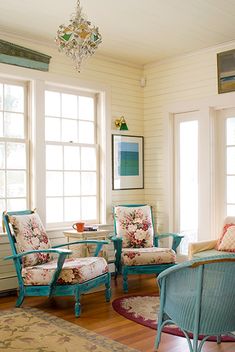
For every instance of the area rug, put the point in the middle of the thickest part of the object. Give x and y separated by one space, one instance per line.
144 310
35 331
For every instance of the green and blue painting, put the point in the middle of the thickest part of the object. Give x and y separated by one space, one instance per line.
128 163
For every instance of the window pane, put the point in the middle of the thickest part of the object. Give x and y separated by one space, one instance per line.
54 211
54 183
16 204
72 208
69 106
52 103
86 132
52 129
14 125
13 98
69 130
231 131
1 124
2 184
230 189
89 211
2 155
72 183
71 158
54 157
86 108
16 156
88 183
16 183
88 158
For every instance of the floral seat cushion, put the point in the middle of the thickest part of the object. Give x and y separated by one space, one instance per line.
30 234
134 225
148 256
75 270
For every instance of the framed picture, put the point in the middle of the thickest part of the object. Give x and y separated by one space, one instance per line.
127 162
226 71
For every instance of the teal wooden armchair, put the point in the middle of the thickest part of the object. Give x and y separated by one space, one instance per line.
136 244
198 296
39 274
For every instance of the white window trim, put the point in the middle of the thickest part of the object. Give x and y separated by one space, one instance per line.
37 82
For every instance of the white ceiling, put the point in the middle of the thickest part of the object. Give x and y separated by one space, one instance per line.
139 31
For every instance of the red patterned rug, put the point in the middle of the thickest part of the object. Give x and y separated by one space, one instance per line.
143 310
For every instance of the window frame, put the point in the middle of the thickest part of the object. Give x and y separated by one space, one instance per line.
77 92
25 140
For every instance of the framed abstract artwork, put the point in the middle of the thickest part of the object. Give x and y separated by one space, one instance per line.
226 71
127 162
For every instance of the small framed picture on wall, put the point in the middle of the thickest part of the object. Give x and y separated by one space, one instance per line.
127 162
226 71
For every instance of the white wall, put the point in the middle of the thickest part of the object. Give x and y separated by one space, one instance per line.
175 82
120 79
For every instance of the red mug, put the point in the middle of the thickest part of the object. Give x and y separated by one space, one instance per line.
78 226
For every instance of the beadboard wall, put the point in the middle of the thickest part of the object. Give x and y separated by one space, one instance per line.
181 79
123 81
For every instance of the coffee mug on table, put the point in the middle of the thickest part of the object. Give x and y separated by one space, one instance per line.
79 226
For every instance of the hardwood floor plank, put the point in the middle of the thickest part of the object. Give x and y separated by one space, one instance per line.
99 316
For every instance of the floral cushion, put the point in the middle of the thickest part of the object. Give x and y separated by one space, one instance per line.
227 241
148 256
30 234
134 226
227 225
75 270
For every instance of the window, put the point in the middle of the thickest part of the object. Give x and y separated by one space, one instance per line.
72 191
13 146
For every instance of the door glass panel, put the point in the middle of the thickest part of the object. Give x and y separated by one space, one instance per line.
188 178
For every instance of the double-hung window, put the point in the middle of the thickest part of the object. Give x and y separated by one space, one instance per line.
14 180
72 156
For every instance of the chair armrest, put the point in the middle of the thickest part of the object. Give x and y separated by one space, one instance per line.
175 236
99 244
50 250
197 247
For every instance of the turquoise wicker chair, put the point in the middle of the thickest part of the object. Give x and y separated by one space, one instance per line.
199 297
136 244
39 274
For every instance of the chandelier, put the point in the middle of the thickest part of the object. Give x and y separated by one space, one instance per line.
79 39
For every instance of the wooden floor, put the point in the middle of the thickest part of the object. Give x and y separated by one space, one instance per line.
98 316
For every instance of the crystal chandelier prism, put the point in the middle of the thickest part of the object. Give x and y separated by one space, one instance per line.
79 39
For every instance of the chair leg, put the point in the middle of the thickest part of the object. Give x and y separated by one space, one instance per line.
125 280
218 339
107 288
77 304
20 298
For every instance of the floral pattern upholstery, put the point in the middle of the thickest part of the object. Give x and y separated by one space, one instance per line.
30 234
148 256
75 270
134 225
